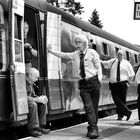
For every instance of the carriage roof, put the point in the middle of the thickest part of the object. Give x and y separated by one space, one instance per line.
43 6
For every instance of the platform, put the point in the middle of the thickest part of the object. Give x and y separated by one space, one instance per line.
110 129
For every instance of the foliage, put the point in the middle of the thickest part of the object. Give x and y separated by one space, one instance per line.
70 6
94 19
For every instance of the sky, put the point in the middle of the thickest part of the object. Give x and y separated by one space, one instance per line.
116 16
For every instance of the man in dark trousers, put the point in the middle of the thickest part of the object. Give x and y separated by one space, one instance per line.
121 72
37 106
137 79
90 75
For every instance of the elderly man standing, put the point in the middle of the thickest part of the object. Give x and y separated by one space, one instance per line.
90 75
121 72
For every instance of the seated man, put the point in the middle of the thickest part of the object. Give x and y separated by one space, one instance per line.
37 106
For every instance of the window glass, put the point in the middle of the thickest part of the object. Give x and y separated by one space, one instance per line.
136 59
1 47
1 14
18 41
2 41
73 34
105 49
127 55
116 49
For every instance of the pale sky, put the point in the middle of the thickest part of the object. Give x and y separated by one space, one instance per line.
116 16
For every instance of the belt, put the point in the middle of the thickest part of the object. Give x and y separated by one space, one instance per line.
91 78
120 82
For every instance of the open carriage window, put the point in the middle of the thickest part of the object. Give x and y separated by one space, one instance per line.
17 38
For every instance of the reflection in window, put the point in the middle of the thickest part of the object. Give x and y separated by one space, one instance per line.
92 45
2 41
105 50
17 27
73 34
136 59
18 54
1 14
127 55
18 41
116 49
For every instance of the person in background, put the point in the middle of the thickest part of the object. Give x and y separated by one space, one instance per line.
137 79
37 106
90 75
29 52
121 72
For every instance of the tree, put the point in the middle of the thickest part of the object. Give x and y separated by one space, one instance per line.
94 19
54 2
70 6
73 7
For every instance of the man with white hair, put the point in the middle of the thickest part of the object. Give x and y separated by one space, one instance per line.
121 72
90 75
37 106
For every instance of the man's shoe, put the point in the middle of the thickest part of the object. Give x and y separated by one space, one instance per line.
128 116
119 119
34 133
43 130
92 134
137 123
88 134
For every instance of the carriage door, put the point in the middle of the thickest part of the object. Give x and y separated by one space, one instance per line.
17 66
53 37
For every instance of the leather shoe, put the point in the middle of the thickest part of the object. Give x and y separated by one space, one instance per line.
43 130
137 123
119 119
128 116
93 134
34 133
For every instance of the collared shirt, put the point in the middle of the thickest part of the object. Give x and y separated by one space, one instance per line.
126 69
91 61
137 76
30 92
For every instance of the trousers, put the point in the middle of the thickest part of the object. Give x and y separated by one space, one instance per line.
90 94
119 94
138 101
37 115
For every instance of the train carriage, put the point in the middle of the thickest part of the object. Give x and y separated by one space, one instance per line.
58 77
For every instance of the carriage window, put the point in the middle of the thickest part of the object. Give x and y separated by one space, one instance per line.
2 40
92 45
136 58
17 38
127 55
116 49
2 46
105 49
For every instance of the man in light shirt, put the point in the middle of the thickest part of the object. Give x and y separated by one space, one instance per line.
37 106
90 75
137 79
119 86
